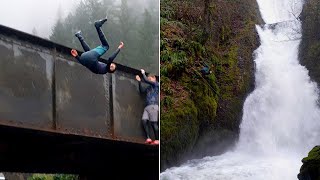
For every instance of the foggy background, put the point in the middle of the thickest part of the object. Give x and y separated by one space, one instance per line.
135 22
25 15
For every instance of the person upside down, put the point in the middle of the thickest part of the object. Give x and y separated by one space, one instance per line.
90 57
151 110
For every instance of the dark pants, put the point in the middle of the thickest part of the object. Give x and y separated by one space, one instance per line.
154 126
100 49
91 56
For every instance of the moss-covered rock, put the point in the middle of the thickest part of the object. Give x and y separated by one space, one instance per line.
309 55
180 133
310 169
310 44
199 114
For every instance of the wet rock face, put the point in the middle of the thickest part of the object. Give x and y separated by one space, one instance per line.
200 116
310 169
309 56
310 45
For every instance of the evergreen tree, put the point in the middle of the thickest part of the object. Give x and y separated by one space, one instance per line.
125 27
59 31
146 40
138 30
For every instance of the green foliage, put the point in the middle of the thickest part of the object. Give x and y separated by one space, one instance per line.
53 177
174 63
314 50
179 130
163 21
311 165
164 70
179 62
165 86
167 11
313 155
138 28
165 55
228 74
168 101
183 115
220 34
149 32
310 45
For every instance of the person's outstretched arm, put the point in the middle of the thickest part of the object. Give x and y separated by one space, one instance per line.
114 55
146 79
141 89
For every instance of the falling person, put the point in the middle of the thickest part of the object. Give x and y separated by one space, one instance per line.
90 57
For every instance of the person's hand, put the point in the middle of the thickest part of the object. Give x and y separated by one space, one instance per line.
121 45
138 78
142 71
74 53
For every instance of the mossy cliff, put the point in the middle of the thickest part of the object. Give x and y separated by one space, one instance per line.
310 169
201 115
310 44
309 56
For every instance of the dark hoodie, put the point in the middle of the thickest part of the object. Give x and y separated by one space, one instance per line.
90 59
152 91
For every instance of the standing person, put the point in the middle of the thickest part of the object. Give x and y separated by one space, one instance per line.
91 56
151 110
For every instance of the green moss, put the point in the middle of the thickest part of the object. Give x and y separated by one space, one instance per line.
52 177
168 102
165 85
195 48
311 165
314 50
313 156
310 46
166 9
179 131
228 74
163 21
224 41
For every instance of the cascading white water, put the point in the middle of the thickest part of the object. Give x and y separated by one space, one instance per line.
281 120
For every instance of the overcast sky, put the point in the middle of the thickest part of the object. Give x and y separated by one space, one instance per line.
24 15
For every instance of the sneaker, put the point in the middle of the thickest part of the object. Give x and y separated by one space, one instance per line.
100 22
148 141
155 142
78 34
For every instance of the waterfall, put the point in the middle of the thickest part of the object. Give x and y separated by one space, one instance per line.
281 119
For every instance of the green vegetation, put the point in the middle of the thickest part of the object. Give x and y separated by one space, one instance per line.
128 21
220 34
309 55
313 156
310 45
52 177
311 165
